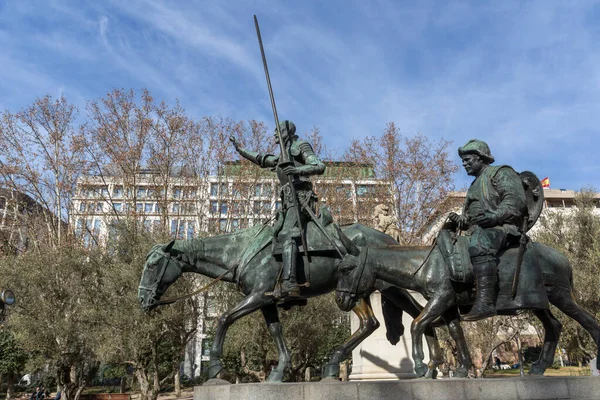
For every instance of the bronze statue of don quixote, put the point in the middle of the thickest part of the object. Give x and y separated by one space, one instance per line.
482 263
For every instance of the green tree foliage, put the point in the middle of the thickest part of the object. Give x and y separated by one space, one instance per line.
56 316
576 233
12 360
152 344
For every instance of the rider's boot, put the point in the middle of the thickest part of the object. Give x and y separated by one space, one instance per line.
289 286
487 279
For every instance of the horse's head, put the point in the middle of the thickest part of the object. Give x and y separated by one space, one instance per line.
160 271
353 282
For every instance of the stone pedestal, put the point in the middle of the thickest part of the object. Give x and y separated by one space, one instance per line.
375 358
549 388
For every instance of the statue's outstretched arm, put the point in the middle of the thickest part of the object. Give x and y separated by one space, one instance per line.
263 160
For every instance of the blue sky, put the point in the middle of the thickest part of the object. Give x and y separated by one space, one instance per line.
522 75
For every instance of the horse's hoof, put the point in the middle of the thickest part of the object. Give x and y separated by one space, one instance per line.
536 369
421 370
275 377
214 368
431 374
216 381
461 372
330 371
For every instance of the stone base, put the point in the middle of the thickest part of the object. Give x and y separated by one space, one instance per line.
527 388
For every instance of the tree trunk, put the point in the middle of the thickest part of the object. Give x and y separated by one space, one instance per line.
344 375
145 388
307 374
10 387
520 353
177 383
122 385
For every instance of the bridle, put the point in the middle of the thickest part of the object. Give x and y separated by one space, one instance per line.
164 265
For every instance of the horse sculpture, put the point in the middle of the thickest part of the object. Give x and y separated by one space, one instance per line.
245 258
424 270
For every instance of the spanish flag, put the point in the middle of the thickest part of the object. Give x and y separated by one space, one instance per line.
546 183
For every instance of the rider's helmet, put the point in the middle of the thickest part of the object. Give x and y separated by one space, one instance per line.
479 147
287 126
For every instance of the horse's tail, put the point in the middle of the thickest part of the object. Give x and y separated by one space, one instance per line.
392 316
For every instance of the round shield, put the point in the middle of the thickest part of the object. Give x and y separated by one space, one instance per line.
534 194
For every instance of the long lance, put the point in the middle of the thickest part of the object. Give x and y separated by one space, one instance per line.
286 159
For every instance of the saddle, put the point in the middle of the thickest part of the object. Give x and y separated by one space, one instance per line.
531 293
317 241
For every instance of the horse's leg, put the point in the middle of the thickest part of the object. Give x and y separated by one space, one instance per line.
404 301
250 304
565 301
465 363
368 325
432 310
272 319
552 328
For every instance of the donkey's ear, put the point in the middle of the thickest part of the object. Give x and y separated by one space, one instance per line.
167 248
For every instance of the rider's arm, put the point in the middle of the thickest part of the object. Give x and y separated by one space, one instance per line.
263 160
512 195
312 164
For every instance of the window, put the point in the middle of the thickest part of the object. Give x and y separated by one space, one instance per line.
157 208
117 207
79 226
267 190
278 205
223 224
214 189
362 190
223 208
147 225
139 207
99 207
236 207
175 207
235 224
191 229
156 225
214 206
258 190
191 208
223 189
148 207
141 193
82 206
118 192
104 192
174 224
97 226
151 193
177 193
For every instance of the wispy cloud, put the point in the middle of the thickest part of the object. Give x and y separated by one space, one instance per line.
521 75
